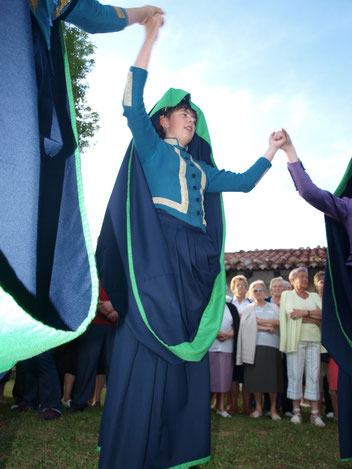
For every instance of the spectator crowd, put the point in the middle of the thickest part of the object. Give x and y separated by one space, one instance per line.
269 347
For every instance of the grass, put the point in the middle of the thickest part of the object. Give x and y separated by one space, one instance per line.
239 442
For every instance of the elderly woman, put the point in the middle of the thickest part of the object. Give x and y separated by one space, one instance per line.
300 336
258 349
221 357
239 288
276 287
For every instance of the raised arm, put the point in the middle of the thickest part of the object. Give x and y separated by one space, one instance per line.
144 135
324 201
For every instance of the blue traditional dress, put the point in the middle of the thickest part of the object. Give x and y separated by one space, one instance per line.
48 280
160 259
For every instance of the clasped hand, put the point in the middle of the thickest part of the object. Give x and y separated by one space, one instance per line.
277 139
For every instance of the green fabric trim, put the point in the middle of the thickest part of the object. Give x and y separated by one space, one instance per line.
346 177
345 459
212 316
191 463
21 335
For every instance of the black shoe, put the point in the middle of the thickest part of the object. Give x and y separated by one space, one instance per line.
49 414
73 408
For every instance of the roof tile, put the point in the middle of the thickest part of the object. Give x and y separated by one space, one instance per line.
275 259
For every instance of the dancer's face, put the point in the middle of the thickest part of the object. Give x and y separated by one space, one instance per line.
181 124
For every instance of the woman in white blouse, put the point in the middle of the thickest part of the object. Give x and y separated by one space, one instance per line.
258 350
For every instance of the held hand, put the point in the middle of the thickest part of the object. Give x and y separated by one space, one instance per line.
289 149
141 15
288 144
147 12
152 26
277 140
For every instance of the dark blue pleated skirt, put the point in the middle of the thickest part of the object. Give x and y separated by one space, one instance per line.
156 414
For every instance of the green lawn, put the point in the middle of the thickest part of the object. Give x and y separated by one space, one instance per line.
239 442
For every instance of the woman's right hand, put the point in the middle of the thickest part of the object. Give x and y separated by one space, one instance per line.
289 149
152 26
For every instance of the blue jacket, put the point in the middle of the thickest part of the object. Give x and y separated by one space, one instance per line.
177 181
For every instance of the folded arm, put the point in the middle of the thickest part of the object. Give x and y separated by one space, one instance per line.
268 322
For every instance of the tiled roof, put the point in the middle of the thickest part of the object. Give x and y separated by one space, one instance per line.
275 259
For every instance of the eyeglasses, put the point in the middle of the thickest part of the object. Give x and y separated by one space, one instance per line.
256 291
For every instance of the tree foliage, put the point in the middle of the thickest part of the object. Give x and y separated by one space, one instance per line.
79 52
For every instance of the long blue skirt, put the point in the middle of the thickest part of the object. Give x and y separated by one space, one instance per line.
156 413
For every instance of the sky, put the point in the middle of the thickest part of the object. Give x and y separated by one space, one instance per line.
252 66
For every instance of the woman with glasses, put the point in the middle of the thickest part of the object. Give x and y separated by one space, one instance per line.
258 349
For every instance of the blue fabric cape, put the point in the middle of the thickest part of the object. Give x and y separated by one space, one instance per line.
48 281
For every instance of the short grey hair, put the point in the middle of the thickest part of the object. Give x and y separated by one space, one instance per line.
257 282
277 279
294 273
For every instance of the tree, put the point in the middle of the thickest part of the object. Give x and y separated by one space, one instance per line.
79 52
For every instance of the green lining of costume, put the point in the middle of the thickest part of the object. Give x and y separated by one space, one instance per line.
22 336
211 319
346 177
191 463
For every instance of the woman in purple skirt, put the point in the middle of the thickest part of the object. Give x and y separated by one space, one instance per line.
222 355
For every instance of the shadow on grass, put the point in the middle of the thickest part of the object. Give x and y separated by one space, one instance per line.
9 424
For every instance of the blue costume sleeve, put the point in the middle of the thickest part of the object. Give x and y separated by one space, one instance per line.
227 181
143 131
93 17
